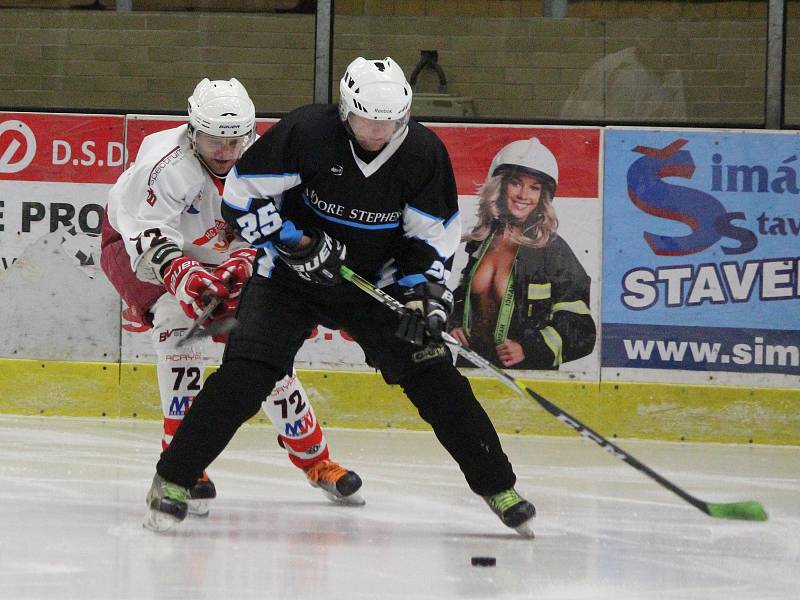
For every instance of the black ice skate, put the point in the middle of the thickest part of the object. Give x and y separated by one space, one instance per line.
514 511
166 504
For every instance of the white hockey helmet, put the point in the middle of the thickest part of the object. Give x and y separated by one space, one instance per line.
375 89
530 156
221 108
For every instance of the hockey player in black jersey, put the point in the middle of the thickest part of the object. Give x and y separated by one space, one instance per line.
360 184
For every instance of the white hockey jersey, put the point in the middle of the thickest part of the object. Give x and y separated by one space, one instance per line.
167 194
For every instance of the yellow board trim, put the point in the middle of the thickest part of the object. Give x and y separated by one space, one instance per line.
47 387
362 400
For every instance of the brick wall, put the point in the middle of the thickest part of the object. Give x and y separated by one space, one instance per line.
581 68
611 65
151 61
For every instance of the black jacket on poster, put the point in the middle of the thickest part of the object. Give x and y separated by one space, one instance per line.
551 294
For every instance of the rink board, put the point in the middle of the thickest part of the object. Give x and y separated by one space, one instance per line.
363 400
64 349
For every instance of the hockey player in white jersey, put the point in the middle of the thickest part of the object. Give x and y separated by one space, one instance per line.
168 252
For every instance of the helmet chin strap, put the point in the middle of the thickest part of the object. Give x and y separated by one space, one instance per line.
209 169
349 130
397 133
363 153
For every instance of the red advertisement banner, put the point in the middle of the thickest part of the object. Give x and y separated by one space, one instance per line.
61 147
472 148
89 149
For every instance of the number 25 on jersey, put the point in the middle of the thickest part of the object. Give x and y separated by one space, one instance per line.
258 225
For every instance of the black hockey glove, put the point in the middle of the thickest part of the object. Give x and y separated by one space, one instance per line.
318 262
428 305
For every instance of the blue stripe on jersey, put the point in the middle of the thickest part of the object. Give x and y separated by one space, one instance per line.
262 175
327 217
246 208
424 214
450 220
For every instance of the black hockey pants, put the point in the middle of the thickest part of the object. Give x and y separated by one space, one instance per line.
275 317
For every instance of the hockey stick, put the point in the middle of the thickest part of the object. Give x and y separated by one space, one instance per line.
197 331
749 510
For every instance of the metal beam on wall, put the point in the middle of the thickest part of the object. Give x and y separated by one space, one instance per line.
776 64
323 52
554 9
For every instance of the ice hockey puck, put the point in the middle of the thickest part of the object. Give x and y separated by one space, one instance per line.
484 561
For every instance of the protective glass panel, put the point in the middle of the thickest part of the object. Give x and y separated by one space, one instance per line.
680 61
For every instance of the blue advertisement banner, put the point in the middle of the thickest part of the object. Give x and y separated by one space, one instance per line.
700 250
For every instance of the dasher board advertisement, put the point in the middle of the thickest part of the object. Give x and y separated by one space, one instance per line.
575 154
55 170
526 277
700 251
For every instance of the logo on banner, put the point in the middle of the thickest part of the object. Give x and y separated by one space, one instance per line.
703 213
710 282
10 161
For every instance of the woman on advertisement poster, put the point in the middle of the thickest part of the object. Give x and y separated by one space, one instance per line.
523 297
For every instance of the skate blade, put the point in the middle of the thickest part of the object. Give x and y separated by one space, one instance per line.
198 508
525 530
353 499
157 521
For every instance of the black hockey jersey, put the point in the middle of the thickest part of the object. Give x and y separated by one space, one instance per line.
397 214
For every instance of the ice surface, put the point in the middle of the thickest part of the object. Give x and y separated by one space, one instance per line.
72 501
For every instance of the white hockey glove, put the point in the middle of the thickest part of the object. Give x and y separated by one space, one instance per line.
428 305
193 286
319 262
154 261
